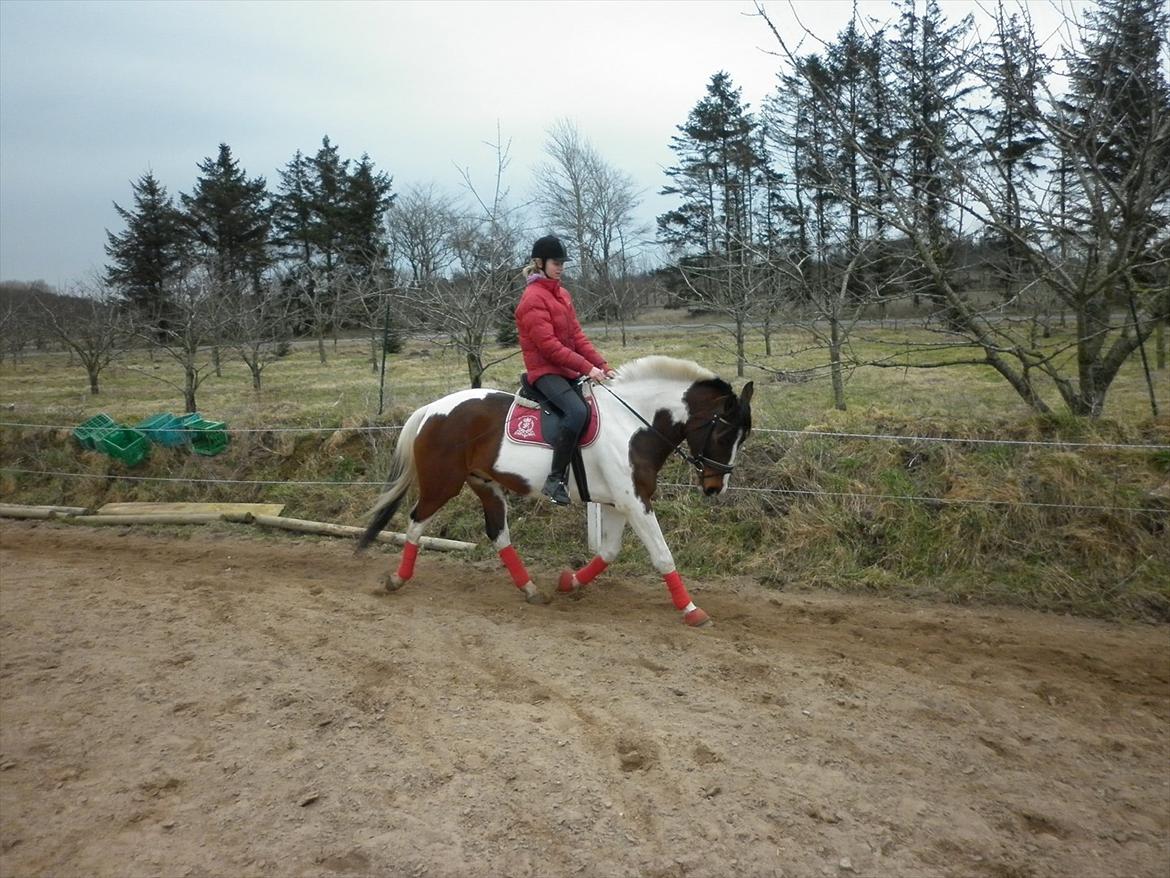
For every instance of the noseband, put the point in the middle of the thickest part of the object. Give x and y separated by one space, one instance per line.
700 460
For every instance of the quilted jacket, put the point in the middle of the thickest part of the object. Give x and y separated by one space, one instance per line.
551 338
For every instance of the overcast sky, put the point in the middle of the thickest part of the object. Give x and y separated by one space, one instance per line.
93 94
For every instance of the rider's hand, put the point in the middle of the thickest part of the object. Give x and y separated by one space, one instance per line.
596 374
610 373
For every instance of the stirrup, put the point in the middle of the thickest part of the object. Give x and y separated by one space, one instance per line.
555 490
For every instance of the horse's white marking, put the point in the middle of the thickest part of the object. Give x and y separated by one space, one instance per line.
448 403
731 461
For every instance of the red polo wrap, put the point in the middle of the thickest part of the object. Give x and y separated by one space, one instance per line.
515 566
678 591
590 571
406 567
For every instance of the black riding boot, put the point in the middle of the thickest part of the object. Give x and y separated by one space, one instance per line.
555 486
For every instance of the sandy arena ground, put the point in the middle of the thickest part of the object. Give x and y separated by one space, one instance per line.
208 703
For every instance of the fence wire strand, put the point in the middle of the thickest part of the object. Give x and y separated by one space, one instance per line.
889 437
953 501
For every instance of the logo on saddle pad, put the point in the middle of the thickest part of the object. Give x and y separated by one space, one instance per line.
524 425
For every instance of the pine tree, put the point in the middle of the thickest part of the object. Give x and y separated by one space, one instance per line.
328 189
364 245
721 180
229 220
292 219
930 66
149 256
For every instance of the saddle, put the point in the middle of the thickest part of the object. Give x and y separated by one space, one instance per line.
532 417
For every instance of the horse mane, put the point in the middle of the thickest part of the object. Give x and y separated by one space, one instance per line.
669 368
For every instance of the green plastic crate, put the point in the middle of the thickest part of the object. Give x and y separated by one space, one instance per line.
208 437
91 432
163 429
125 444
184 424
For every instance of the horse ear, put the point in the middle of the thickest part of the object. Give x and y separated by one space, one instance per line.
745 395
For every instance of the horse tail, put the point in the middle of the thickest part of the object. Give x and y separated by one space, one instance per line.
401 479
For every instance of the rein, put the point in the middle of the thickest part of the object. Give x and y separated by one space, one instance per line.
698 461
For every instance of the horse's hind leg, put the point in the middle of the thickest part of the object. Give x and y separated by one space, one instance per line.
613 524
495 517
434 492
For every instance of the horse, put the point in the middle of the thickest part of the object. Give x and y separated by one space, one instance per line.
649 410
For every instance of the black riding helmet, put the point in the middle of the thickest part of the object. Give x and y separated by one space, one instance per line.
549 247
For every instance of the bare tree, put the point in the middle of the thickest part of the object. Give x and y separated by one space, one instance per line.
591 203
479 295
196 318
422 222
261 330
90 324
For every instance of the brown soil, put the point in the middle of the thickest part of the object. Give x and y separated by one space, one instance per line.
204 703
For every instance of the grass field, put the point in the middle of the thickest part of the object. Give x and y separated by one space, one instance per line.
1098 562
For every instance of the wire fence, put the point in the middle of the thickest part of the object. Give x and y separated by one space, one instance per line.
828 434
889 437
336 483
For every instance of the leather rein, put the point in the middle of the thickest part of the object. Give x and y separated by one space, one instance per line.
700 460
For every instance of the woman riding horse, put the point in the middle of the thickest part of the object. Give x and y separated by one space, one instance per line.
556 352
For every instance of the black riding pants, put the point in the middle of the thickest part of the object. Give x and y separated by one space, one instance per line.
574 416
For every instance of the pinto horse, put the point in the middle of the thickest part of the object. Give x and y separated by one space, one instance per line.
651 409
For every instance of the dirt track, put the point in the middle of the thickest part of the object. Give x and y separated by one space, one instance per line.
226 705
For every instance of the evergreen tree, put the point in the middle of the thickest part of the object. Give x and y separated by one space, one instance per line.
149 256
364 238
328 190
229 218
722 181
930 65
292 212
1013 144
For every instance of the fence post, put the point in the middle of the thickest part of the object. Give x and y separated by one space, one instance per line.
593 527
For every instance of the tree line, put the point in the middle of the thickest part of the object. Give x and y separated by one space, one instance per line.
1016 196
889 157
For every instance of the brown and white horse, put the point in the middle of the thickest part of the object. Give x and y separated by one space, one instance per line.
654 407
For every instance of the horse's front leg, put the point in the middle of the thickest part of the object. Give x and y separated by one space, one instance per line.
645 525
613 524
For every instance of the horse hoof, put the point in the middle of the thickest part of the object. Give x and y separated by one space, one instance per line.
697 618
566 585
392 582
534 595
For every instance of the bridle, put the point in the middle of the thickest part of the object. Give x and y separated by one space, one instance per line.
698 461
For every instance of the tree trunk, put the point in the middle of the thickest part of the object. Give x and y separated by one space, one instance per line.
93 380
475 370
835 363
768 335
740 356
189 390
215 359
256 371
321 344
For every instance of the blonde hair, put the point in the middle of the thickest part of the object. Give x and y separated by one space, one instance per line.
531 267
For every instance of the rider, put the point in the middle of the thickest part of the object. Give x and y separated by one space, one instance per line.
556 352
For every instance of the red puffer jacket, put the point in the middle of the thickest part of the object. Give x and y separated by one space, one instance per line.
551 338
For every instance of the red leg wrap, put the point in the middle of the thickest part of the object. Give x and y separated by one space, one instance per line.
515 566
678 591
406 566
591 570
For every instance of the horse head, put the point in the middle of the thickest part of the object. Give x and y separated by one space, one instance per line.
717 425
